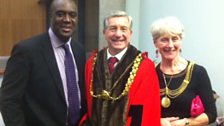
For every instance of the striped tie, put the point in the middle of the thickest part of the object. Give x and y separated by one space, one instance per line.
112 61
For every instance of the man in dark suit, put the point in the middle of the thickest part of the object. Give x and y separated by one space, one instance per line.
34 88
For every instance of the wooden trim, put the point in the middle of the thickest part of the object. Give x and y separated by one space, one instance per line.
2 71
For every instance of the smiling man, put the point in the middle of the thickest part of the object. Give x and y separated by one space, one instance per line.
36 85
121 83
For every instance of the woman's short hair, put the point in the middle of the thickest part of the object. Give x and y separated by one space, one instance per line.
168 25
117 13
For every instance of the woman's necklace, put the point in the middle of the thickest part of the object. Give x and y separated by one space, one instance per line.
165 100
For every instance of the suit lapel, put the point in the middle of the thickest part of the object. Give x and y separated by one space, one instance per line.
79 58
49 56
75 51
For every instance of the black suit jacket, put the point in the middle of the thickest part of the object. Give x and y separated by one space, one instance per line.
32 91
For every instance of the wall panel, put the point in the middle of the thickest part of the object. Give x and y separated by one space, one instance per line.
19 19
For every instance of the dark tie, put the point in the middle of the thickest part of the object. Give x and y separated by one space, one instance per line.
112 61
73 98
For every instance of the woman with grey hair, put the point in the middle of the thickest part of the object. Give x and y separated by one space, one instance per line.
181 80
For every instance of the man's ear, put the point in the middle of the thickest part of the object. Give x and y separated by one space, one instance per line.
104 30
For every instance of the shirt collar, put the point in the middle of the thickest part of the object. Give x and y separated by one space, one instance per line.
56 42
119 55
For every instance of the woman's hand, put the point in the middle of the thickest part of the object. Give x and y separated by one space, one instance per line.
167 121
180 122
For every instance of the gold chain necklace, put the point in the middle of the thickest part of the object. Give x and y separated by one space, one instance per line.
176 92
106 94
165 100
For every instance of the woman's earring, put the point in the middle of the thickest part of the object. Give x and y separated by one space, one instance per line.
157 56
